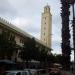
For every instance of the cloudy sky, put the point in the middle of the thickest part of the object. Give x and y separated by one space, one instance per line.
26 14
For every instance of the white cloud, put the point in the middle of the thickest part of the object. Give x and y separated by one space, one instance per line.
6 9
26 7
22 22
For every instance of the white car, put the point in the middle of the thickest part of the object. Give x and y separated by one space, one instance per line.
32 71
17 72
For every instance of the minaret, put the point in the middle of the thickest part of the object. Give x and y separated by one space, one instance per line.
46 26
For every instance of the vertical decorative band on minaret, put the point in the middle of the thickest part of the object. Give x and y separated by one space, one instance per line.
46 26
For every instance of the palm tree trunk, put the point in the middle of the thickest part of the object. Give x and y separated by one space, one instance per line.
66 50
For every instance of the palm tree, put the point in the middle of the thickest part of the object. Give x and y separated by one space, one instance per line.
66 50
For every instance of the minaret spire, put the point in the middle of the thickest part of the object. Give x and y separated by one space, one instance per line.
46 26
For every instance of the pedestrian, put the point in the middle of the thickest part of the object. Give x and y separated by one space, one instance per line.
72 68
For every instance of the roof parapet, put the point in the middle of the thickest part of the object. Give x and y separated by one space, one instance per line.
5 21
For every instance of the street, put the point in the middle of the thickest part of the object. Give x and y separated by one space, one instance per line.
63 73
66 73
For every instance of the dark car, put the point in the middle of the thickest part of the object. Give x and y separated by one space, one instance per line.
54 71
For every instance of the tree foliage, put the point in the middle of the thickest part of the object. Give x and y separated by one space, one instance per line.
7 44
29 50
43 54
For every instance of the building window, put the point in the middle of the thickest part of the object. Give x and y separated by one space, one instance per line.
11 36
44 33
21 41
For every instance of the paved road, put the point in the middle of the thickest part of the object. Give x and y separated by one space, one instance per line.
62 73
66 73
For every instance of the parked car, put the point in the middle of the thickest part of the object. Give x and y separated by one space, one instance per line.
41 72
32 71
54 71
17 72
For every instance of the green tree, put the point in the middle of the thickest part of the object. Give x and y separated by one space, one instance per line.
51 58
25 53
43 54
3 44
11 46
29 49
58 58
7 44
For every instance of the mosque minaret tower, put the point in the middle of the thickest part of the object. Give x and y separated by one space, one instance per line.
46 26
